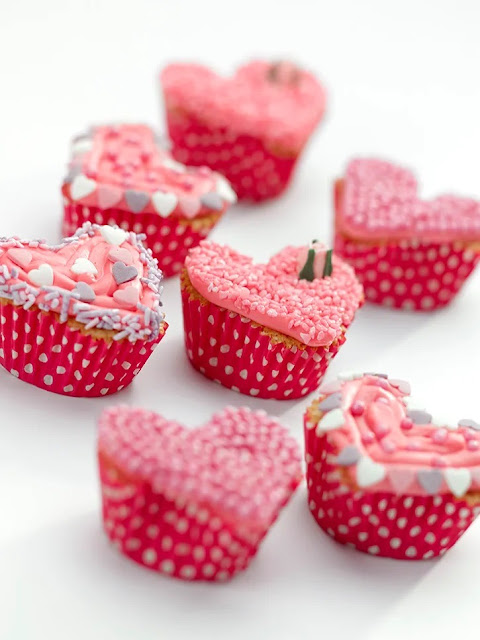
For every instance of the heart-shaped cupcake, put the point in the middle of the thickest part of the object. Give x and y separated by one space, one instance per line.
384 474
194 504
251 127
408 252
121 175
67 325
267 330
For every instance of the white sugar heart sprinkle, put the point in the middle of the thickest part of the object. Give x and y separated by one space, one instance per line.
84 265
43 276
458 480
369 472
113 235
82 187
164 203
331 420
225 190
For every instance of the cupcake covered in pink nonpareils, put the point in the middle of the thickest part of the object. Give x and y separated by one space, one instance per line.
384 475
267 330
80 318
251 127
121 175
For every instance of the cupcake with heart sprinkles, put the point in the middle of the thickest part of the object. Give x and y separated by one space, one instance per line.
409 253
266 330
121 175
385 476
193 503
251 127
80 318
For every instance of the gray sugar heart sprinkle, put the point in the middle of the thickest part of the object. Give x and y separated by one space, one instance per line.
122 273
136 200
73 172
349 455
419 417
163 142
402 385
466 422
374 373
333 401
430 479
212 201
85 291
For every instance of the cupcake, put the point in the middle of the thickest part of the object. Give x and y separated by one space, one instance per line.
80 318
384 476
120 175
193 504
251 127
408 253
266 330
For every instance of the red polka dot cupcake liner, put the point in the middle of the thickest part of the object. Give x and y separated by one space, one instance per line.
60 358
186 510
255 171
385 479
410 275
169 238
246 357
383 524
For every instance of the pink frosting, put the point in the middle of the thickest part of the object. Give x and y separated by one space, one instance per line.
277 103
377 199
272 294
117 275
122 166
374 418
241 463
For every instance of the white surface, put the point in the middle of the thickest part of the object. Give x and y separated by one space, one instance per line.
403 82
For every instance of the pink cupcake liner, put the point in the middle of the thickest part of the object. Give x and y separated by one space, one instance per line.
233 351
55 357
408 527
411 274
168 239
168 535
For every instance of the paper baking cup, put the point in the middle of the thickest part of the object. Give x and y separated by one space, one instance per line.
410 274
255 171
169 238
172 536
38 349
404 527
244 356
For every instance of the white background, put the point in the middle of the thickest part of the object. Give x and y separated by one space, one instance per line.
403 81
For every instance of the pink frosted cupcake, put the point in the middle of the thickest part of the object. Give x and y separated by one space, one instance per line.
193 504
384 476
251 127
80 318
120 175
407 252
266 330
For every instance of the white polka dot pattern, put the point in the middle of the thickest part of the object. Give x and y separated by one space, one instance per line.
410 274
38 349
193 504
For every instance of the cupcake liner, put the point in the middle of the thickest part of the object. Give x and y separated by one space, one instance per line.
256 171
241 355
175 537
38 349
169 238
410 274
406 527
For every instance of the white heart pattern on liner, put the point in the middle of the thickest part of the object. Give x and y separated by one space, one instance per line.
164 203
81 187
43 276
458 480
